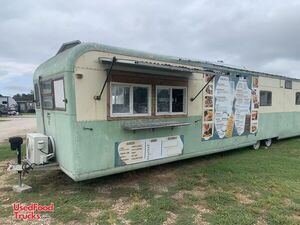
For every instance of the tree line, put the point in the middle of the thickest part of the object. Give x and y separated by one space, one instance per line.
23 96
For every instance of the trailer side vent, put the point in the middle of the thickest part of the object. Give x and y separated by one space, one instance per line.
68 45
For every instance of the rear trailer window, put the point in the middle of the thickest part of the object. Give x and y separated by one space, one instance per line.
47 94
37 96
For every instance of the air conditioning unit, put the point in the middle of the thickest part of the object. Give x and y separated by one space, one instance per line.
39 148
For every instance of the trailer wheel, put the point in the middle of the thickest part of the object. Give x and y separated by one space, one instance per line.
268 142
256 145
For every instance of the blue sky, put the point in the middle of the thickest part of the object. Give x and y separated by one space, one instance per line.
255 34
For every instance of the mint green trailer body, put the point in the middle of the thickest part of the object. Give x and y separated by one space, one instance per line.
87 137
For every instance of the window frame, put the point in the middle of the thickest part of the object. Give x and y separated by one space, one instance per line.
288 82
131 113
49 94
260 102
37 95
54 102
297 92
171 98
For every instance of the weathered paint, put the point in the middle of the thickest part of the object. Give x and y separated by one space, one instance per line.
92 152
84 153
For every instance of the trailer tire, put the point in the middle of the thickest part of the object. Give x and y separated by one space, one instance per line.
268 142
256 146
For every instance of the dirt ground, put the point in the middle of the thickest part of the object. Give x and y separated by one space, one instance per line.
16 125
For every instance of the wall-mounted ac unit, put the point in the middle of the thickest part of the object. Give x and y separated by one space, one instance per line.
39 148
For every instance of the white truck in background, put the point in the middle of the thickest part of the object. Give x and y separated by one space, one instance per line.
8 106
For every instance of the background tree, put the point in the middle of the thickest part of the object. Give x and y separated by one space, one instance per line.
24 97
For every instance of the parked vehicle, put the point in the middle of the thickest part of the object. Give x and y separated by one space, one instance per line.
110 110
8 105
12 113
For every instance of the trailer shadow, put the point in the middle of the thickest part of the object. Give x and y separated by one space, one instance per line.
149 172
57 179
139 175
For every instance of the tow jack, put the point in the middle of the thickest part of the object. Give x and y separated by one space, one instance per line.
23 167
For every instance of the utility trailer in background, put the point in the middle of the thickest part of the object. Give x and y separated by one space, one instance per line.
110 110
8 105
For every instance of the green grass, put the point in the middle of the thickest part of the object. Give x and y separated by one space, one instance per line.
228 211
236 187
7 153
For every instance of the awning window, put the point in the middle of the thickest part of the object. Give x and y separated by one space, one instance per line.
144 66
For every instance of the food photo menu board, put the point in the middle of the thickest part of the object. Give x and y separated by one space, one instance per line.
230 106
255 105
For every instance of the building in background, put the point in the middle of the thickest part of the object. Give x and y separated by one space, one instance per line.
26 107
25 102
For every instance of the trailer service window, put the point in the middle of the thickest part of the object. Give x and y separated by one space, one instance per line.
170 100
130 99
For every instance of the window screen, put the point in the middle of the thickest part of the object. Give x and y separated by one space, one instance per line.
265 98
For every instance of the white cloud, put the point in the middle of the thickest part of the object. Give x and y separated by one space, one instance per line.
261 35
284 67
11 70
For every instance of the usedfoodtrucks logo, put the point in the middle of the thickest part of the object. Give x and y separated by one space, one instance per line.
32 211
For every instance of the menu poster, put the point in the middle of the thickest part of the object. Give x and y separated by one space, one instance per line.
224 97
230 106
242 104
137 151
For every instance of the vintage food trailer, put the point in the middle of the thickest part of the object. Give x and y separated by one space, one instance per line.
110 110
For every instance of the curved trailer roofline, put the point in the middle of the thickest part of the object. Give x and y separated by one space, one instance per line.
65 61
